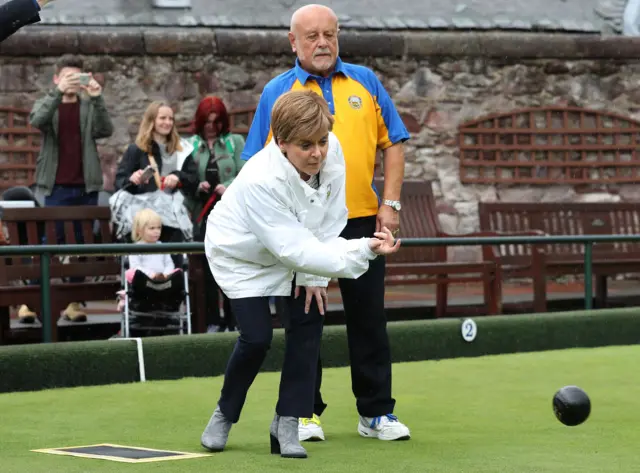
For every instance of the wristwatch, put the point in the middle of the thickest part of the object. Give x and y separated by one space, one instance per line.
394 204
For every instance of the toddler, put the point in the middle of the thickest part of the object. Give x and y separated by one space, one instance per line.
147 226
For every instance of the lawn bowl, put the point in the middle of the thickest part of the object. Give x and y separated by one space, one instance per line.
571 405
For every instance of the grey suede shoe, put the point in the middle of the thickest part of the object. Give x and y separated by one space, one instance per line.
215 435
284 438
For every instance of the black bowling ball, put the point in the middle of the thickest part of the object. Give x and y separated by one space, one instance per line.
571 405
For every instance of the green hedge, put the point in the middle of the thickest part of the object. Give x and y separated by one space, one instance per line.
42 366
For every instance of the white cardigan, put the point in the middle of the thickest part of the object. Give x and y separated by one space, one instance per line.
270 224
151 263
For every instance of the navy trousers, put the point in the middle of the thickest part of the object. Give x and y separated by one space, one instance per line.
303 333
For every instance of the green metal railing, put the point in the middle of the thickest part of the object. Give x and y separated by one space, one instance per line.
46 252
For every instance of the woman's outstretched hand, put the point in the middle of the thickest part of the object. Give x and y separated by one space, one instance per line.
384 243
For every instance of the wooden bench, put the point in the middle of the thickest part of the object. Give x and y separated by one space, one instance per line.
33 224
572 219
430 265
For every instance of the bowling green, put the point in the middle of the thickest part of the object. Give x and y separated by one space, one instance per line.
475 415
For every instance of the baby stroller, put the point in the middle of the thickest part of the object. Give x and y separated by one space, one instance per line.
152 307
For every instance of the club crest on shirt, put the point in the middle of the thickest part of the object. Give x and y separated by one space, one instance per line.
355 102
328 191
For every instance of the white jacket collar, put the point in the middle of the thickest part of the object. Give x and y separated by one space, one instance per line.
287 172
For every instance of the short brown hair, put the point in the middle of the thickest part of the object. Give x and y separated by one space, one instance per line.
299 115
69 60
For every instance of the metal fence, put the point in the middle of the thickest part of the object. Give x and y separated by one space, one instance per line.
46 252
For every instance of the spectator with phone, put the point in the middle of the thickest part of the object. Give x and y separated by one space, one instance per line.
71 116
170 157
159 146
218 155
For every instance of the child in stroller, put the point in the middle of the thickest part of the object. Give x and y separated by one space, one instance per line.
154 290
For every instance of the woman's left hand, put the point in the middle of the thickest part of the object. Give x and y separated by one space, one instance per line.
314 292
219 189
384 243
171 181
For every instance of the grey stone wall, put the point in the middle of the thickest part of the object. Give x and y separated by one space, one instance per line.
437 81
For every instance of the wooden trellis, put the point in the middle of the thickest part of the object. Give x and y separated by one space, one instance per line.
19 148
550 145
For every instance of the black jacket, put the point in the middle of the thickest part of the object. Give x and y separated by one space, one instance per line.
134 159
15 14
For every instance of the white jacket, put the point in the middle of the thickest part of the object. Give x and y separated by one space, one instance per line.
151 263
270 224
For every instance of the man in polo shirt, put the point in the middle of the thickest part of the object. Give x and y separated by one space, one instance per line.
366 120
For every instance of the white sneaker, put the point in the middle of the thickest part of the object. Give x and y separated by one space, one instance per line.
386 427
310 429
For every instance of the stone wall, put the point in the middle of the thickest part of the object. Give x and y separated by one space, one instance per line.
440 94
437 81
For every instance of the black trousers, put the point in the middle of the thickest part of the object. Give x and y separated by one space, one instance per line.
303 333
369 352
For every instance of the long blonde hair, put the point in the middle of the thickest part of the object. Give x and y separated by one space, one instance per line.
144 140
141 220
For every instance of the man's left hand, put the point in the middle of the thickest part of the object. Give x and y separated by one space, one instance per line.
387 217
94 89
314 292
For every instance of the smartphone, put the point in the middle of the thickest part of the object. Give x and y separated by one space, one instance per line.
147 174
84 78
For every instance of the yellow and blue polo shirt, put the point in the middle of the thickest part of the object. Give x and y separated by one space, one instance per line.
365 120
